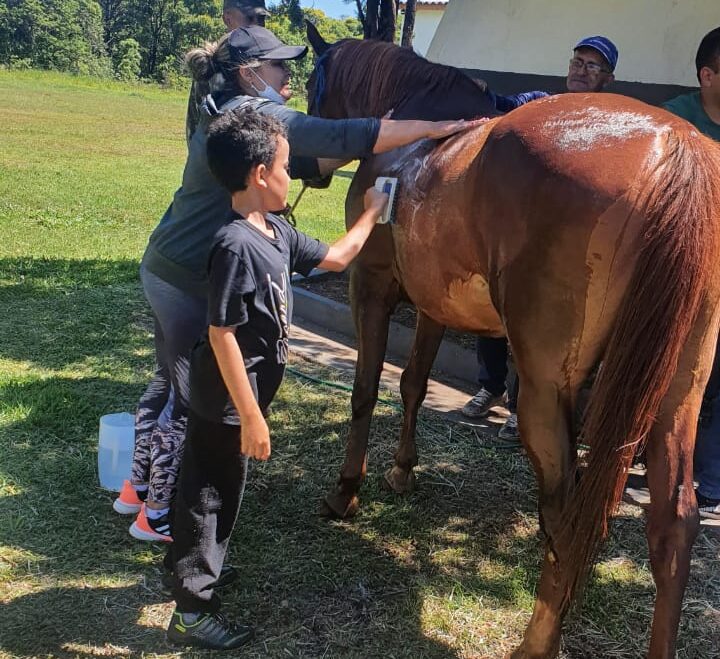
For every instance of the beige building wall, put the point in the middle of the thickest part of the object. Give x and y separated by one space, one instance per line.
657 39
426 23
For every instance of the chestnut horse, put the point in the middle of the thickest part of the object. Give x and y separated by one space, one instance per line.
584 227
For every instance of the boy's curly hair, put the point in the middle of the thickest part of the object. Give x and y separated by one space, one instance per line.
238 141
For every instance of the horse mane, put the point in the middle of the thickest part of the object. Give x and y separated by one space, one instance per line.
382 74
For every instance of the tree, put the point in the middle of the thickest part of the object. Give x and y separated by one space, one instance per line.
54 34
128 60
293 11
378 18
408 29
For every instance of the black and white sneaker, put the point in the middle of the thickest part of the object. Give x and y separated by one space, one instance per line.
211 631
152 530
709 508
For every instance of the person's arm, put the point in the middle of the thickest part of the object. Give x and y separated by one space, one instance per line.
513 101
254 433
351 139
344 250
394 134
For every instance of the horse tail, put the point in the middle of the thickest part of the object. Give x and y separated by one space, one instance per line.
679 197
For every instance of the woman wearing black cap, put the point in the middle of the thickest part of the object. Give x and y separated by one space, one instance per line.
236 13
246 68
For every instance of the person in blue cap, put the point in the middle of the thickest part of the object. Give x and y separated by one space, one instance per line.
591 70
592 67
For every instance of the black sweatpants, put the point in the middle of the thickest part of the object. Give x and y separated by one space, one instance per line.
209 494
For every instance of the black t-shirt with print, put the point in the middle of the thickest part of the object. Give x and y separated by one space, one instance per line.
250 290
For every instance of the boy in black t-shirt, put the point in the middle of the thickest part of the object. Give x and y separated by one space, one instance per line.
238 365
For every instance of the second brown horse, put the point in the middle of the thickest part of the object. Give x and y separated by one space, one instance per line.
585 228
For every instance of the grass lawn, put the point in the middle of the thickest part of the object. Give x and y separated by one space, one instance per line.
86 170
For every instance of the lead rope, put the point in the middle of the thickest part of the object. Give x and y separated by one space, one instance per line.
290 215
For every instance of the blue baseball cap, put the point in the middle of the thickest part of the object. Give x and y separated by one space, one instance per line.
604 46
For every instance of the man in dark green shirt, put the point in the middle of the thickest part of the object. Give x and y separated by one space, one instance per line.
702 108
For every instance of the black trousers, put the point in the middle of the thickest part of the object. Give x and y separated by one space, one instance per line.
499 370
209 494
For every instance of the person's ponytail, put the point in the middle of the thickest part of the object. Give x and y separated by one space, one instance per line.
200 62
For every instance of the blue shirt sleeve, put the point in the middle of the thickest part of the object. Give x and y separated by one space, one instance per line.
507 103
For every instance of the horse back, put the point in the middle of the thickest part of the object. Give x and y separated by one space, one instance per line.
548 189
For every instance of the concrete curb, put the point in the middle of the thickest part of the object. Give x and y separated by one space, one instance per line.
459 363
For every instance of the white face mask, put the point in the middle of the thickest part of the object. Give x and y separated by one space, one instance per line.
268 92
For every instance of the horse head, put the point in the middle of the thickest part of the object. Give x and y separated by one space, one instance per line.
365 78
315 85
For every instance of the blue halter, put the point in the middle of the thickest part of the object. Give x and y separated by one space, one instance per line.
320 79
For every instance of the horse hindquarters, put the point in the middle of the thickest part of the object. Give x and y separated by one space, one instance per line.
660 335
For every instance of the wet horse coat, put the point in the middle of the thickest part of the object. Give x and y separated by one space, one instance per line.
585 228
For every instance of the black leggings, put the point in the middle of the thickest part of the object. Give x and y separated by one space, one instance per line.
209 494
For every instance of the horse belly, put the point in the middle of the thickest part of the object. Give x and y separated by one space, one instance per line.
455 299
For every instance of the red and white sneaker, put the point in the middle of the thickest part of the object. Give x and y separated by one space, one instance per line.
152 530
128 503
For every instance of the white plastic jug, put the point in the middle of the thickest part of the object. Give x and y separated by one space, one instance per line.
115 449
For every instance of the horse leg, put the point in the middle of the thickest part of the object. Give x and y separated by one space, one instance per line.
374 296
400 478
545 415
673 521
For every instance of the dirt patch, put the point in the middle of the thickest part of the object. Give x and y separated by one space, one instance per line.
334 286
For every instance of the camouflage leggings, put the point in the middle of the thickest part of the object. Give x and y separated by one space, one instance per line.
161 415
158 440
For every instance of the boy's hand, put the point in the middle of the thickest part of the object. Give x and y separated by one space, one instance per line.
375 201
255 439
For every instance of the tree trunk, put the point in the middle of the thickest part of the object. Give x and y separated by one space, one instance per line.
408 24
379 20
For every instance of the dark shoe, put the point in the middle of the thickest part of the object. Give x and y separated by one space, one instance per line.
479 405
228 575
212 631
510 431
709 508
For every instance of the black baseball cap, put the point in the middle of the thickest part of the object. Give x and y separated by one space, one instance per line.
255 42
250 7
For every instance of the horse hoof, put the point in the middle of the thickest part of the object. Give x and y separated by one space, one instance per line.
338 506
399 481
523 653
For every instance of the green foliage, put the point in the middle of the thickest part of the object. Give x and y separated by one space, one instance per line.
287 29
54 34
128 60
135 39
